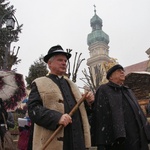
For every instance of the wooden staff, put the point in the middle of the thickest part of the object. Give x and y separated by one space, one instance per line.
61 126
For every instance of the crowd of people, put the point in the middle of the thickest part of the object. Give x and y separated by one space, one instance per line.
117 121
52 98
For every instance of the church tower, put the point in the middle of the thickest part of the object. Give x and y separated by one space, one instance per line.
98 48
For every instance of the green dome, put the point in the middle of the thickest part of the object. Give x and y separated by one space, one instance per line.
97 35
96 20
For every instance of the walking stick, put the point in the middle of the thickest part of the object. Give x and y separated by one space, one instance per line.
61 126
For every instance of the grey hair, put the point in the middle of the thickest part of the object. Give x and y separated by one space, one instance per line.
51 58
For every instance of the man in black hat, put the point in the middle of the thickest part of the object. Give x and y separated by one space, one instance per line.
51 99
118 122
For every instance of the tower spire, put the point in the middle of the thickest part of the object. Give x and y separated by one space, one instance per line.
94 8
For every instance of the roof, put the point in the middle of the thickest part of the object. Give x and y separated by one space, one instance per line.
139 82
138 79
142 66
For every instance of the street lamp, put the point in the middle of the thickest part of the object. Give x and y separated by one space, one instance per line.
10 25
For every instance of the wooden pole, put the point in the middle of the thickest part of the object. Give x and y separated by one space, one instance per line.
61 126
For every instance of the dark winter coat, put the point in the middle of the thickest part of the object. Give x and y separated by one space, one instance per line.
118 117
4 112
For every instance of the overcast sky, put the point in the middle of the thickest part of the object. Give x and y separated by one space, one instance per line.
67 22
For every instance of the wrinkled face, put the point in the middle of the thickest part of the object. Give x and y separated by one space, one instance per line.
118 76
58 64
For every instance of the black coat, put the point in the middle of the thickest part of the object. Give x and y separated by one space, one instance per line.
73 133
4 112
118 117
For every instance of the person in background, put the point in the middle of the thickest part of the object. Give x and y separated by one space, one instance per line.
51 99
118 122
2 123
26 131
10 120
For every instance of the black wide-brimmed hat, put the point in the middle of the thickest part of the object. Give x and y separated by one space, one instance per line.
56 50
113 69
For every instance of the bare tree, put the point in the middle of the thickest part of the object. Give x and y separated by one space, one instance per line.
76 65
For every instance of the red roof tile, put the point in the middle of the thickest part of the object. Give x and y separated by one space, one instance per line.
142 66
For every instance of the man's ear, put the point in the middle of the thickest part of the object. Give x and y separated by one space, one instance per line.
49 62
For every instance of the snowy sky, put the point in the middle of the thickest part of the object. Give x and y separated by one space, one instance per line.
67 22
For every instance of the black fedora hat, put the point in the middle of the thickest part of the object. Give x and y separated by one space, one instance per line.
113 69
56 50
